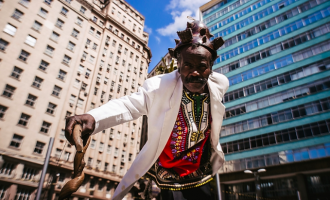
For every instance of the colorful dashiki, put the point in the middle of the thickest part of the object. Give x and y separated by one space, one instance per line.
184 162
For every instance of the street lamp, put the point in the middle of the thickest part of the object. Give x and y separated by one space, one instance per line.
256 181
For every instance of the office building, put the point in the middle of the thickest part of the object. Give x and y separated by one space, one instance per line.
276 57
60 58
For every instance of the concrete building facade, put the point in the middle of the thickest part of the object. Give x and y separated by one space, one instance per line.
276 57
60 58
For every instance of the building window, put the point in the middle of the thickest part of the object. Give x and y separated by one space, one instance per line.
37 82
54 36
29 173
16 73
25 2
94 19
94 46
61 75
10 29
62 177
114 43
39 148
75 33
91 59
3 110
45 127
64 11
49 50
89 163
91 30
109 149
37 26
17 14
101 146
92 145
111 55
82 10
131 55
31 100
56 91
8 91
24 55
114 168
71 46
51 108
118 89
116 152
24 119
80 103
98 34
59 23
16 141
49 2
68 1
43 13
3 44
79 21
88 72
66 60
43 65
72 99
67 156
30 40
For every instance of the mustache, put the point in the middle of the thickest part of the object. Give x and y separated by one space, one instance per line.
195 79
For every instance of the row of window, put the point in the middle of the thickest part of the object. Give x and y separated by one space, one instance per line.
251 19
282 157
272 22
9 90
286 135
303 110
244 12
24 55
281 62
278 80
217 6
223 11
98 166
28 173
18 139
321 14
272 50
277 98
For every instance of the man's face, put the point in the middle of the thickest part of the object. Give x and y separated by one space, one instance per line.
195 68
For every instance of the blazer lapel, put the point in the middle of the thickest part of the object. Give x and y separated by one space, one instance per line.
217 112
170 116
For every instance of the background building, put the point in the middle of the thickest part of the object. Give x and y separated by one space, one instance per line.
60 58
276 57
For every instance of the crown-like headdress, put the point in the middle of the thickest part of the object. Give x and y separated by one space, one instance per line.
197 34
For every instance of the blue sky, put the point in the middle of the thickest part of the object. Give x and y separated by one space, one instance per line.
163 18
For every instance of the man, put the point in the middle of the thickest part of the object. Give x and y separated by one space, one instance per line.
185 115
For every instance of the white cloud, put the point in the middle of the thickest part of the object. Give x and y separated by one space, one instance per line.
147 29
179 10
158 39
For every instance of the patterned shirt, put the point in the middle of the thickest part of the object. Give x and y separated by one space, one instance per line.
185 158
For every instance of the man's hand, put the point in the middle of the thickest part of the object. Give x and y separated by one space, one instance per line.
86 121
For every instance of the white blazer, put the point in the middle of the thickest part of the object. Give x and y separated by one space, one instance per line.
159 99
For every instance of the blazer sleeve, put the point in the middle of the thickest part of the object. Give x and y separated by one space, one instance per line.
124 109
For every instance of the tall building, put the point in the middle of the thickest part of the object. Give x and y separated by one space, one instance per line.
57 59
277 121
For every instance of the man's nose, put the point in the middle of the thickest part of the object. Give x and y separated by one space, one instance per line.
194 73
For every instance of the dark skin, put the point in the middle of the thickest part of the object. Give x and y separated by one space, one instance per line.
195 67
